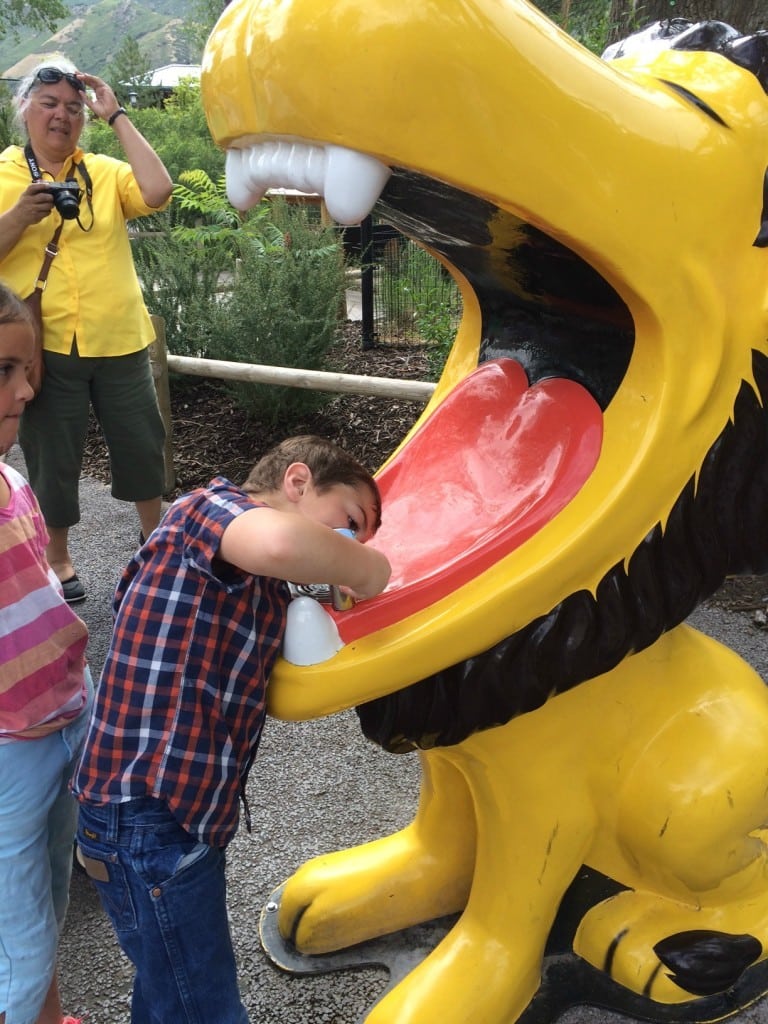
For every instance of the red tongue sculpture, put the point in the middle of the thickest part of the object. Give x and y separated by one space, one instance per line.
494 462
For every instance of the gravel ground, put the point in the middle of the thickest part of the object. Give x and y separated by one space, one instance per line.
316 787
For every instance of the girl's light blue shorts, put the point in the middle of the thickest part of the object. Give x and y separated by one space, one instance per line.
38 817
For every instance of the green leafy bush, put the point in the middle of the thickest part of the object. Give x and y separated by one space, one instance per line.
262 287
283 310
178 132
180 283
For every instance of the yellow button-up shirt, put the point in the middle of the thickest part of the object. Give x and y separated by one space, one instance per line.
92 292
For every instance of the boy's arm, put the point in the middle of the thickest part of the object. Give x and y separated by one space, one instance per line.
288 546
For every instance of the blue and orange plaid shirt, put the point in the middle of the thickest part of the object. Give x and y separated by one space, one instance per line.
182 697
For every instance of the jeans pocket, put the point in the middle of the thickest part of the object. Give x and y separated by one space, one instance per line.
108 875
194 855
167 860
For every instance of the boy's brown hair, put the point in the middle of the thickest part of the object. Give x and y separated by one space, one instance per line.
329 465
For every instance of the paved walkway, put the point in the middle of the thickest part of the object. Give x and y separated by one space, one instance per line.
316 787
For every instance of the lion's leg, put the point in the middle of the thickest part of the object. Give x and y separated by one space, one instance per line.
687 824
415 875
529 847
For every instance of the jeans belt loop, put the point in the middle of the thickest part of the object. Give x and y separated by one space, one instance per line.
112 822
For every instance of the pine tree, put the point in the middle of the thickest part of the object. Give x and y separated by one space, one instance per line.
36 14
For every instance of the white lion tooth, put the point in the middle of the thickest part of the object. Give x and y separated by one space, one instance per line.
260 166
240 189
315 169
307 168
349 182
292 165
353 183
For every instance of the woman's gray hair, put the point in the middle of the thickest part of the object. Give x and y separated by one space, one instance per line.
30 84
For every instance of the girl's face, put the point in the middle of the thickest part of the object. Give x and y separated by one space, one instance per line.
17 347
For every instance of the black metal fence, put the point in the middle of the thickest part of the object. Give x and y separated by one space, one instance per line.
407 296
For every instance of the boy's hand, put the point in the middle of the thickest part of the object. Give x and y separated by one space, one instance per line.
349 591
381 571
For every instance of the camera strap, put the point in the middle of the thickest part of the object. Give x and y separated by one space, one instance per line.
88 191
31 159
50 252
34 170
52 248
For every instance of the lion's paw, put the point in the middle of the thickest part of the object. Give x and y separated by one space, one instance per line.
705 962
664 950
348 897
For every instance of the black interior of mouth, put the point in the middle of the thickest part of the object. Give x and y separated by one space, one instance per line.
541 303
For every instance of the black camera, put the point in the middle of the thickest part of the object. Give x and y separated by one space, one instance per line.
66 197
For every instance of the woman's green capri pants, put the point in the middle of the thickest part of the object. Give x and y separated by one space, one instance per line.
54 427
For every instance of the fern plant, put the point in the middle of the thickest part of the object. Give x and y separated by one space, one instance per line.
283 310
214 221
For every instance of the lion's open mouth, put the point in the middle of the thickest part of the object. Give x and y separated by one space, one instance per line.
494 463
542 304
515 439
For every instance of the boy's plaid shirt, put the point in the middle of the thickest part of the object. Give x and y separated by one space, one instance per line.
182 697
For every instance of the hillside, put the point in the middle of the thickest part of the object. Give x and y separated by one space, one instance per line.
95 32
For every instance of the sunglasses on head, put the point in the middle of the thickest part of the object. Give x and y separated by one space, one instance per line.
50 76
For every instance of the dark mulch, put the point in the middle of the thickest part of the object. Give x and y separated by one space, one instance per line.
212 436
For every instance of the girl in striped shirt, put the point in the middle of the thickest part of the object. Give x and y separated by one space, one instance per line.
45 693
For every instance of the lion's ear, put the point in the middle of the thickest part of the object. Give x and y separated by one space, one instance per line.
751 53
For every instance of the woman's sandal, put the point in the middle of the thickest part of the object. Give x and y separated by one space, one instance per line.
74 591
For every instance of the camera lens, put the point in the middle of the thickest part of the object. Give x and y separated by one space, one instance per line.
66 201
66 204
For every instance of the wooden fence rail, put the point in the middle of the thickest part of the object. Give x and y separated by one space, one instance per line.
255 373
312 380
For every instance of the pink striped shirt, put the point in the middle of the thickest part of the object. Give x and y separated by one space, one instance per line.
42 641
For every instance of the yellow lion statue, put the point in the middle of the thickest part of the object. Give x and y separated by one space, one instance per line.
593 463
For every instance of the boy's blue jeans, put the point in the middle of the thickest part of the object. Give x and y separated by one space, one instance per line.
165 894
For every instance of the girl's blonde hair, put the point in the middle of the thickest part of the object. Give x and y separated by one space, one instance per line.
12 309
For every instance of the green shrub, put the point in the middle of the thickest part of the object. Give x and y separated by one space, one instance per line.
178 132
179 282
262 287
283 310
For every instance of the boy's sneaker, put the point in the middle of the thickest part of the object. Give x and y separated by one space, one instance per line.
71 1020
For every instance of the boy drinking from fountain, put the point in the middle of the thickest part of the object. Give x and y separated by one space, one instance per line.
200 616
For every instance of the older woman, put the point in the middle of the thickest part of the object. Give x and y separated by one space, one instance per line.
96 327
